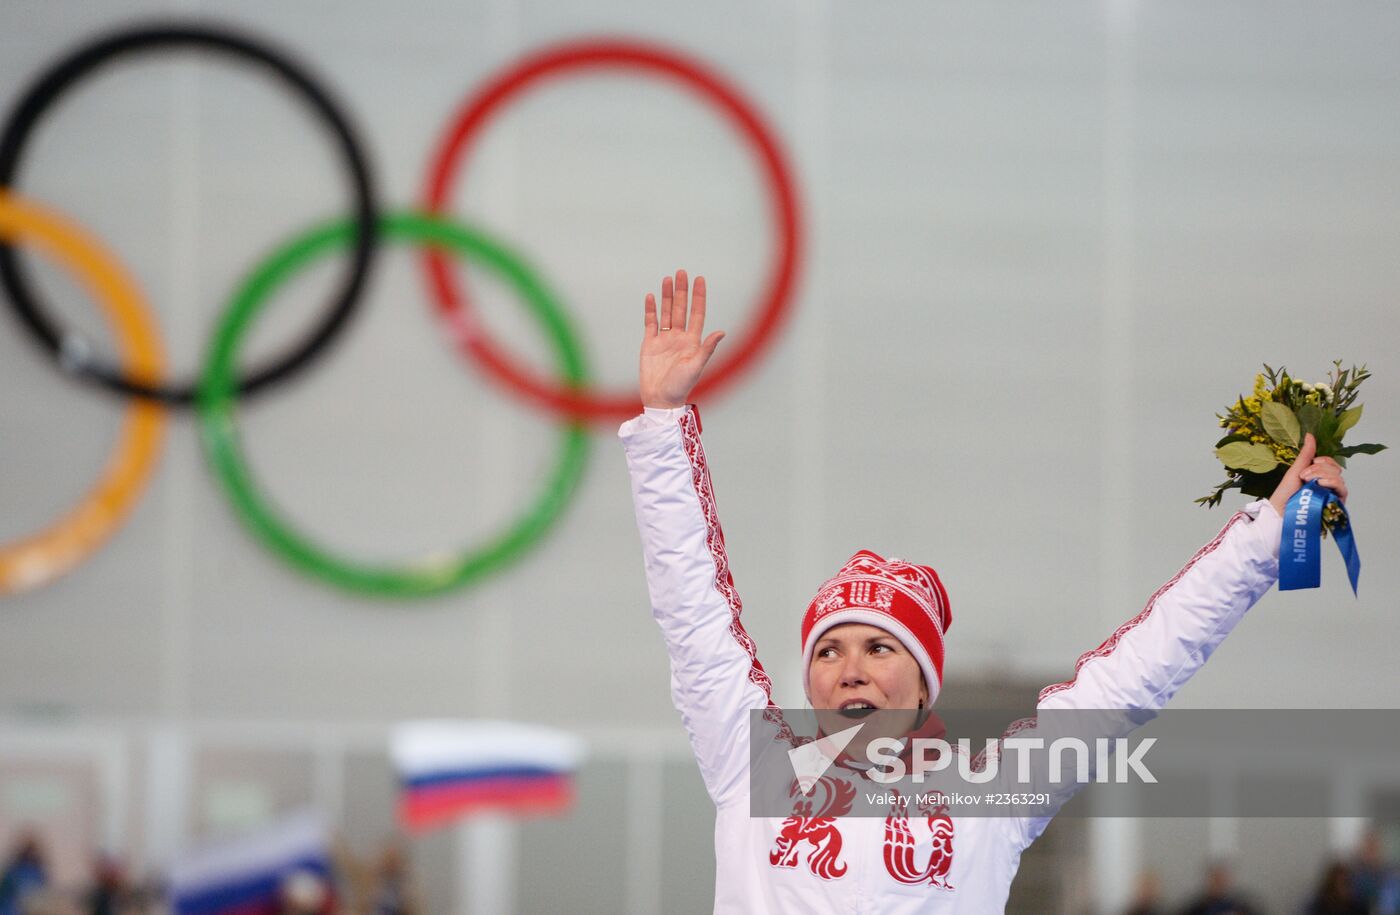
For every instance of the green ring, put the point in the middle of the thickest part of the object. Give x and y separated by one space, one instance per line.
218 403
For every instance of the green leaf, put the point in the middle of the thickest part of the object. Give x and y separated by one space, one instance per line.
1308 416
1327 437
1350 450
1348 419
1232 437
1254 457
1281 424
1215 497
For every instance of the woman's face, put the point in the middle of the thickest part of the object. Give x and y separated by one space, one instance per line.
857 668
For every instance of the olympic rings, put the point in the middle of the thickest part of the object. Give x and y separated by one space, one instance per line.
61 76
38 559
141 368
216 404
478 111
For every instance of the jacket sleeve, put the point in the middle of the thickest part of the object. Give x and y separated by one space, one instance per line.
1151 656
716 679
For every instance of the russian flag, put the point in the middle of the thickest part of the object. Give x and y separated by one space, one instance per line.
452 769
245 876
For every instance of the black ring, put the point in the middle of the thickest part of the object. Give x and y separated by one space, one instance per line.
60 77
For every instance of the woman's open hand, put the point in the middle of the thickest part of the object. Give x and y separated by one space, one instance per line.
673 351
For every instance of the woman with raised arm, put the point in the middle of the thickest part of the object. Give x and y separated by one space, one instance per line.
873 638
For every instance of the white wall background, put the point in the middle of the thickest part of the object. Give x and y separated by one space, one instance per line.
1046 244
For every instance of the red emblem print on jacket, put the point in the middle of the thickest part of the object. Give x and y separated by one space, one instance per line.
815 824
900 848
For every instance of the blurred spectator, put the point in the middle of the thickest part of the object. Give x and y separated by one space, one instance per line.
393 892
1219 896
1368 870
24 875
1373 882
1147 897
110 894
1335 895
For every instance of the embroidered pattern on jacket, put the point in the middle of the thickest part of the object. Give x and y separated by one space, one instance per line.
900 848
979 762
714 539
815 825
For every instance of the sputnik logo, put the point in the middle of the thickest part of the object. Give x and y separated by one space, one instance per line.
810 761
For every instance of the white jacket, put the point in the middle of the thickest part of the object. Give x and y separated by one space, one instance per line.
870 864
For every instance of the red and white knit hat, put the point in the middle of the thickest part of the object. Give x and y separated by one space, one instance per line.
905 600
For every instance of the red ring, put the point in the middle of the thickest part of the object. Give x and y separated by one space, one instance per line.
452 300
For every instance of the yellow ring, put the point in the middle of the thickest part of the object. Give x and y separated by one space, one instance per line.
39 559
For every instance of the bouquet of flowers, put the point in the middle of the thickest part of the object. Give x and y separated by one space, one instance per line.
1266 429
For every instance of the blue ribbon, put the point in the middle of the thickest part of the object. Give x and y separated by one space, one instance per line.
1300 554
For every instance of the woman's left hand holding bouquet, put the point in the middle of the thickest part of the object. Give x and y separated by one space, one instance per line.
1306 467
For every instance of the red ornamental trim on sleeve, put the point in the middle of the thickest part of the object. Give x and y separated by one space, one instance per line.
714 538
1112 641
979 762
